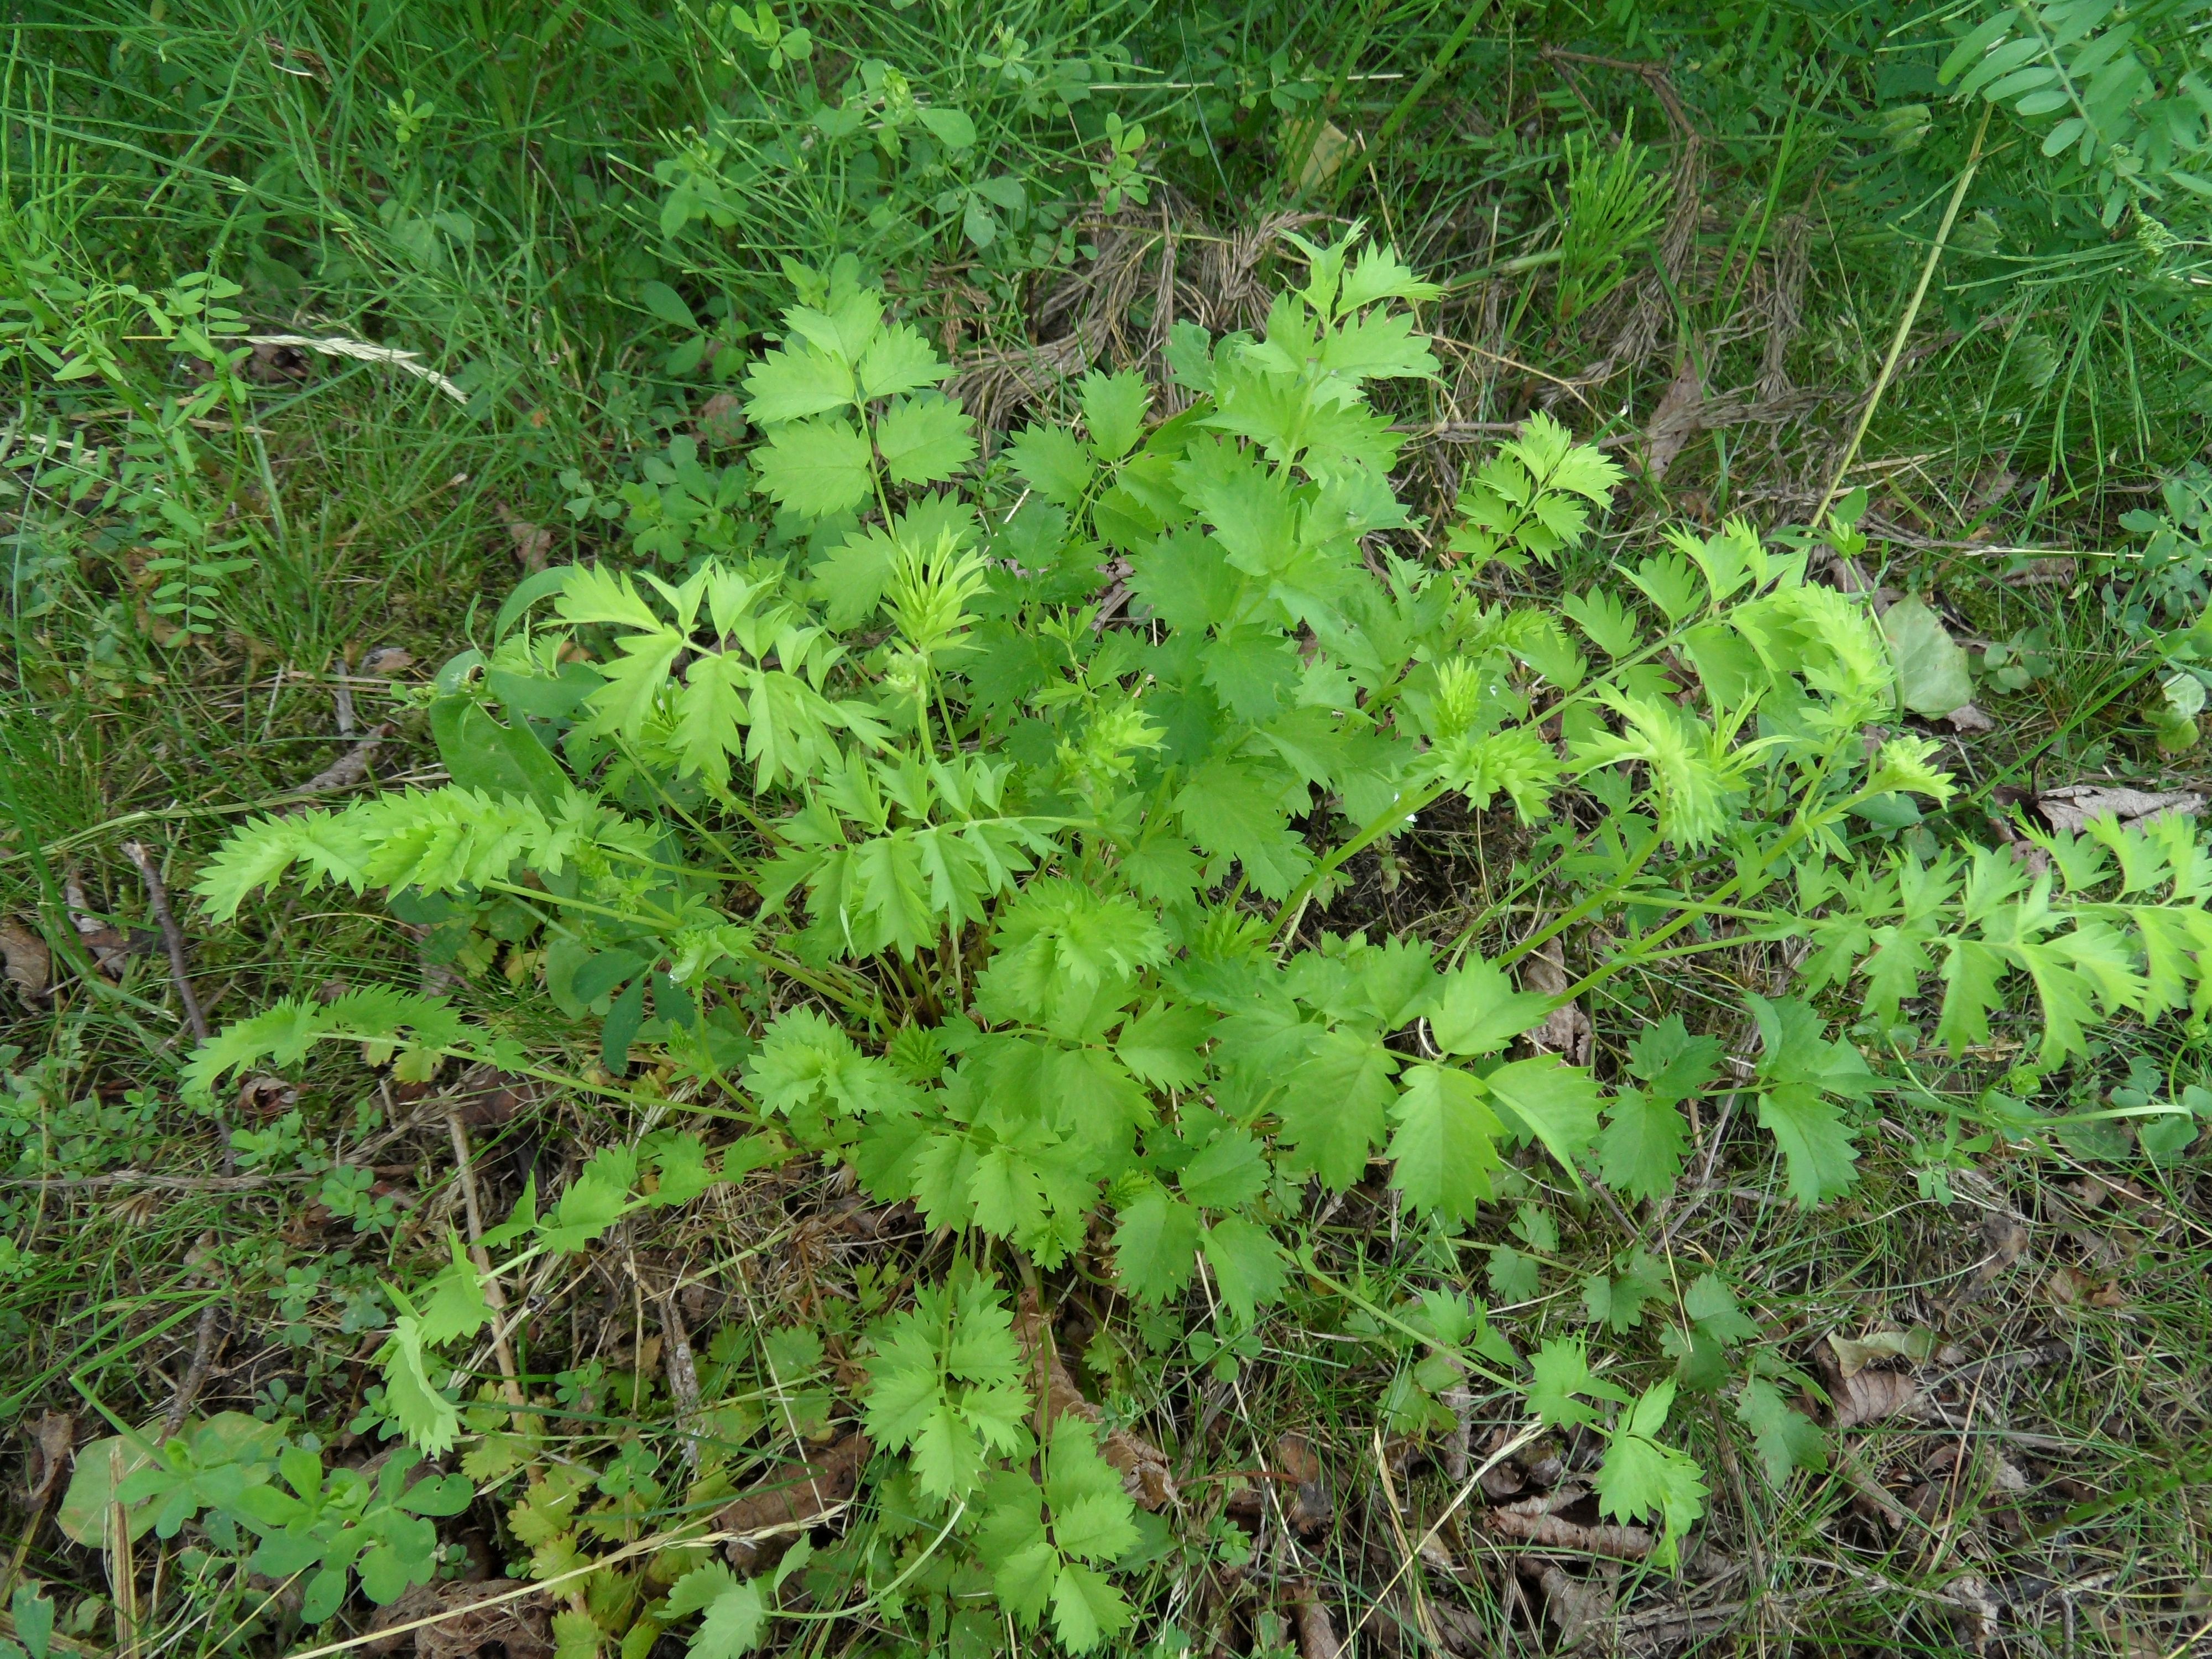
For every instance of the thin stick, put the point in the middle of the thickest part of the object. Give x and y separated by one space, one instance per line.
1911 315
196 1373
172 935
494 1297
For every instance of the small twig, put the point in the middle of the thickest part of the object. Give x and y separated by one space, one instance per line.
682 1374
342 684
196 1373
173 936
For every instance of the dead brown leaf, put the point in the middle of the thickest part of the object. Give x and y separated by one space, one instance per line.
1538 1520
1854 1354
28 963
2004 1238
1580 1609
2040 572
531 542
1316 1630
778 1509
1967 718
1679 418
387 659
52 1438
2070 807
1144 1467
722 422
520 1629
1311 1506
1565 1031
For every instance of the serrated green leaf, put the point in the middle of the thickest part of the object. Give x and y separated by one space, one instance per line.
1056 465
1155 1245
1445 1144
1335 1105
1478 1011
1562 1380
1641 1148
732 1625
925 439
817 469
1248 1267
1161 1044
1787 1439
1114 408
1229 1172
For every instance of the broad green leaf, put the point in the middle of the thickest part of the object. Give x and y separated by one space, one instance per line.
1931 667
425 1415
898 360
1086 1608
792 384
732 1625
925 439
1335 1106
1113 409
1478 1011
1056 466
1562 1380
1155 1244
1248 1267
1641 1477
1554 1102
817 469
1640 1150
1161 1044
480 753
1229 1173
1787 1439
1445 1144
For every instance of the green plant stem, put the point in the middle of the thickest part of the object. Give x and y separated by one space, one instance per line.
1911 315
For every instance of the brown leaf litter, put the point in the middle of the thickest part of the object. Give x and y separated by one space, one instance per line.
28 963
1539 1521
773 1513
1143 1466
2070 807
464 1627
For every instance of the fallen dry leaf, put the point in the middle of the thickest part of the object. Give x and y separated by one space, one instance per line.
721 421
1679 418
1144 1467
2068 808
1311 1506
1580 1609
387 659
779 1508
1565 1031
1967 718
1316 1630
2040 573
28 963
2004 1238
520 1629
531 542
1537 1521
51 1440
1854 1354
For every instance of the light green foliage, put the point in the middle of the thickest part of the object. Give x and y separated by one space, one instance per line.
925 860
947 1383
1048 1546
1532 499
1641 1477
